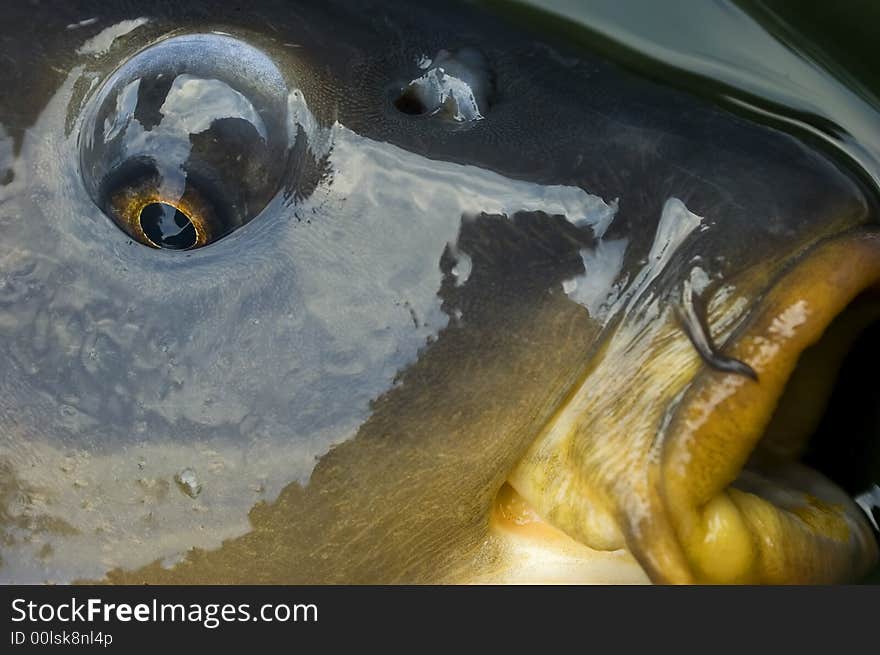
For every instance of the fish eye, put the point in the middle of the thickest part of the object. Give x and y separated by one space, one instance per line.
186 141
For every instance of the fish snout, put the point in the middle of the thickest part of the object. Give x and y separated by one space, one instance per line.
706 475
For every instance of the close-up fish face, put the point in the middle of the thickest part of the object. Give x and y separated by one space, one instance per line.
332 292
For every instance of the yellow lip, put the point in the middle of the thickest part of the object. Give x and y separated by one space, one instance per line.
722 418
648 451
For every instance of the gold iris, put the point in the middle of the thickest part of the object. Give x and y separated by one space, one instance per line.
155 219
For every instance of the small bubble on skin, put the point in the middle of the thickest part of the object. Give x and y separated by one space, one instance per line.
462 269
188 482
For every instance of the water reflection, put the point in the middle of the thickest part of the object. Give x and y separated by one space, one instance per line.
745 54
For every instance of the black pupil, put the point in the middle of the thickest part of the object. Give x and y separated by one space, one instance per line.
167 226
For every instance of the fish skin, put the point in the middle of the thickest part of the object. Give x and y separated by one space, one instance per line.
419 420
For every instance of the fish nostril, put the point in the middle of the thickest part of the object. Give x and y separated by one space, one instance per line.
187 140
456 86
409 103
167 226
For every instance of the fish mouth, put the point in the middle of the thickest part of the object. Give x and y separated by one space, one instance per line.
699 472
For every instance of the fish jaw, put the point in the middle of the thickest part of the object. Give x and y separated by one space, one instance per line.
658 453
522 548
